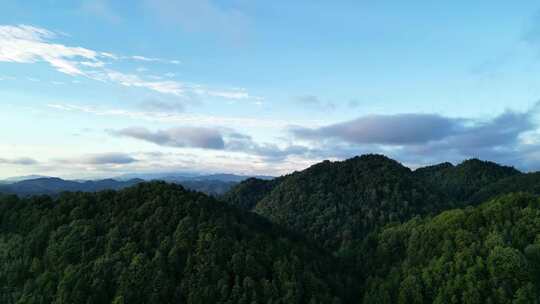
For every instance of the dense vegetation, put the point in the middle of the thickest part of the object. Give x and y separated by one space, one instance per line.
54 186
335 203
154 243
339 203
248 193
362 230
529 182
460 182
487 254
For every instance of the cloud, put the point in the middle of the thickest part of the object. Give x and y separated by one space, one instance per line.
131 80
29 44
508 138
150 59
108 159
162 106
212 139
163 116
180 137
23 161
237 142
315 103
384 129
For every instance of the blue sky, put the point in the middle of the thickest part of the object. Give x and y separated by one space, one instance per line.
100 88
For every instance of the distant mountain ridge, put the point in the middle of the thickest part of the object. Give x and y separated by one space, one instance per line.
213 184
55 185
188 176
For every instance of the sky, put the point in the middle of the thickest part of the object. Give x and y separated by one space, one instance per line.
92 89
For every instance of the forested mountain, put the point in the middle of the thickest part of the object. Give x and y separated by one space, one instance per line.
335 203
528 182
367 229
155 243
487 254
460 182
248 193
54 186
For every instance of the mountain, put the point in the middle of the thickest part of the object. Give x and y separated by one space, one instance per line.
460 182
191 176
486 254
528 182
54 185
336 203
15 179
248 193
156 243
367 229
211 187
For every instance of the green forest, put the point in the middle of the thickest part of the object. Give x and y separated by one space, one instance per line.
363 230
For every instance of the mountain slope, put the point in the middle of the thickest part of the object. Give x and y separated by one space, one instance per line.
487 254
155 243
54 186
248 193
335 203
460 182
339 202
528 182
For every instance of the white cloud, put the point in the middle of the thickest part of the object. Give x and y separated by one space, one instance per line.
142 58
93 64
150 59
130 80
182 118
28 44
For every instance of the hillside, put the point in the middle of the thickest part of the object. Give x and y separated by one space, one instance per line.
335 203
155 243
364 229
529 182
460 182
248 193
487 254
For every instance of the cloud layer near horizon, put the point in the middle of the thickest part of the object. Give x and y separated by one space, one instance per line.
510 138
413 138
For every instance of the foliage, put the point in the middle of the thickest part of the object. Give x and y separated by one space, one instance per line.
529 182
336 203
487 254
248 193
460 182
365 229
155 243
